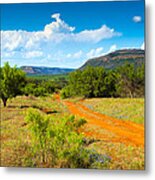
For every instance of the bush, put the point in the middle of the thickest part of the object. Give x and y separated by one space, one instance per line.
39 91
40 87
57 143
39 126
65 93
29 89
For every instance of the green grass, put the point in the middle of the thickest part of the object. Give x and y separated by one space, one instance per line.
121 108
15 136
122 156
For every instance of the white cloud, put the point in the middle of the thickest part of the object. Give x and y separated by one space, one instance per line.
143 46
112 48
56 32
11 40
96 35
99 51
48 44
137 19
58 26
94 52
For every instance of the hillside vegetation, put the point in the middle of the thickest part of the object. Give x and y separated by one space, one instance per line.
101 149
34 70
117 59
90 118
124 81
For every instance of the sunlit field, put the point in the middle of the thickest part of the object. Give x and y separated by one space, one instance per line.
72 88
121 154
121 108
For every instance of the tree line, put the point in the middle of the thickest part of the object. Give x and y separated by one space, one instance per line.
124 81
14 82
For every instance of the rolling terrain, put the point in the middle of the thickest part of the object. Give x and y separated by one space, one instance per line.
117 58
114 126
33 70
109 61
121 140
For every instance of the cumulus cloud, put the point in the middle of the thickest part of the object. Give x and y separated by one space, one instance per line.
112 48
96 35
94 52
100 51
47 45
56 32
137 19
59 26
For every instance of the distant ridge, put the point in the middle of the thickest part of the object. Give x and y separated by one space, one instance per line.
117 58
109 61
34 70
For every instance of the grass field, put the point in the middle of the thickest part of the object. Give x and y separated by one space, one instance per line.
121 108
15 136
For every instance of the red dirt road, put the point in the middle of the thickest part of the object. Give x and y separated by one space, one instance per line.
126 132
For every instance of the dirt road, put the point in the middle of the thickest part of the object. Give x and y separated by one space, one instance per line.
117 130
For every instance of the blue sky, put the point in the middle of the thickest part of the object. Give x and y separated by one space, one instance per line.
68 34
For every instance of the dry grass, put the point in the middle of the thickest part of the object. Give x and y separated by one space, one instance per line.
122 157
15 137
120 108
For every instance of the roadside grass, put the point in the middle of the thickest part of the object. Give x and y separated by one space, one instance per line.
16 139
120 108
122 157
15 136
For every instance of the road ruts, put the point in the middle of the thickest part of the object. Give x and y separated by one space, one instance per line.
126 132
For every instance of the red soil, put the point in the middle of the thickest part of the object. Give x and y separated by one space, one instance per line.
126 132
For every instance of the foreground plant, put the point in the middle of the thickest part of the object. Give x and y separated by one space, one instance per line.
57 143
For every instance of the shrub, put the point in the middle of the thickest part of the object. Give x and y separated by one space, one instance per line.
39 87
57 143
39 126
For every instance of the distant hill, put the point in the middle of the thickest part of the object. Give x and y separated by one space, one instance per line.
34 70
117 58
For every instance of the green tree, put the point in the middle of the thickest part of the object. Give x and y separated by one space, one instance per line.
125 81
131 80
12 82
87 83
29 88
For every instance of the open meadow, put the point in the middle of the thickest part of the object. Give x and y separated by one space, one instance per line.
114 128
73 85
